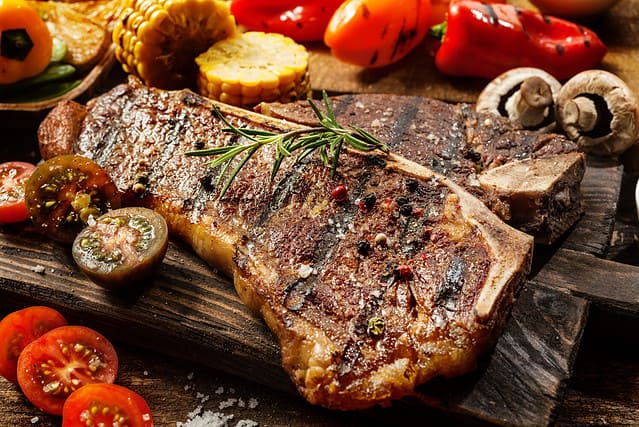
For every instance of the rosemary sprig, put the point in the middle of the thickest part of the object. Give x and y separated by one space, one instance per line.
328 138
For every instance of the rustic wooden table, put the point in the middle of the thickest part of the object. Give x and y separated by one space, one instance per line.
603 389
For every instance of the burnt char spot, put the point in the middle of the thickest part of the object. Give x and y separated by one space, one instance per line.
193 100
492 15
349 357
209 182
453 283
296 293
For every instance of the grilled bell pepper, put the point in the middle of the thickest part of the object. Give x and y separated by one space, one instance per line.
301 20
439 9
25 42
376 33
485 40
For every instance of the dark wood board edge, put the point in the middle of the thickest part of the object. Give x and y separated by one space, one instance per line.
191 313
609 285
601 188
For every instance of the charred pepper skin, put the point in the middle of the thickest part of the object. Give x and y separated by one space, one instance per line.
485 40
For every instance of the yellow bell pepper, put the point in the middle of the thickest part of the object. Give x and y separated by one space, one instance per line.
25 42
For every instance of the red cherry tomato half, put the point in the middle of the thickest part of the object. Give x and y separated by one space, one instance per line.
106 405
65 191
18 329
61 361
301 20
12 179
375 33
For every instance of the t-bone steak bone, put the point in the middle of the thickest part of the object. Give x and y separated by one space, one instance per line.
410 278
531 180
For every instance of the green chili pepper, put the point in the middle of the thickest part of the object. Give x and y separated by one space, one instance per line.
49 83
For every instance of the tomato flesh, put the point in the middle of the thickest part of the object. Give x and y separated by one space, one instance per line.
65 191
106 405
61 361
13 176
18 329
376 33
123 246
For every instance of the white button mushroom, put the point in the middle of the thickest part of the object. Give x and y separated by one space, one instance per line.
525 94
598 111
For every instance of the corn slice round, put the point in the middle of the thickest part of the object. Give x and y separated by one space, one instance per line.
158 40
254 67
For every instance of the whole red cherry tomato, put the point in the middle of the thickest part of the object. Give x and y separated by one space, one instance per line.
12 178
301 20
375 33
61 361
18 329
103 404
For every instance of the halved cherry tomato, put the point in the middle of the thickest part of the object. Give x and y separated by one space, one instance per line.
61 361
12 178
65 191
375 33
106 405
18 329
123 246
301 20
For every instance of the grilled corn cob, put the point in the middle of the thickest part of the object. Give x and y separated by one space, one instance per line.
158 40
253 67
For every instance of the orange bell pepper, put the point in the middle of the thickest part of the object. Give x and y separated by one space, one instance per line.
25 42
376 33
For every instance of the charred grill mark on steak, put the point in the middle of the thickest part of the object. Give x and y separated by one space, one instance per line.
455 140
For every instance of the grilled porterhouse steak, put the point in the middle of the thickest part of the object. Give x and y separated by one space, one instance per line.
410 278
532 181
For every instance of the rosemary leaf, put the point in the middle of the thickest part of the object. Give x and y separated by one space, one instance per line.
328 139
237 169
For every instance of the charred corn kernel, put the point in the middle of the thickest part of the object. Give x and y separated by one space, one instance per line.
158 40
254 67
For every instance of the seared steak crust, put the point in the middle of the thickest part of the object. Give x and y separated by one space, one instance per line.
458 142
408 278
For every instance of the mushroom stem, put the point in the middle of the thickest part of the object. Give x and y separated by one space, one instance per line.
598 111
525 95
532 101
581 112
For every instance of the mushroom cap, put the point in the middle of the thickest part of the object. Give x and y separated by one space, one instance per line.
598 111
502 96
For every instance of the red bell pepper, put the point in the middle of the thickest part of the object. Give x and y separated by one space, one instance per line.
301 20
485 40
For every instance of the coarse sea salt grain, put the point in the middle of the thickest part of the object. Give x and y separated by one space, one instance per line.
227 403
215 419
207 419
